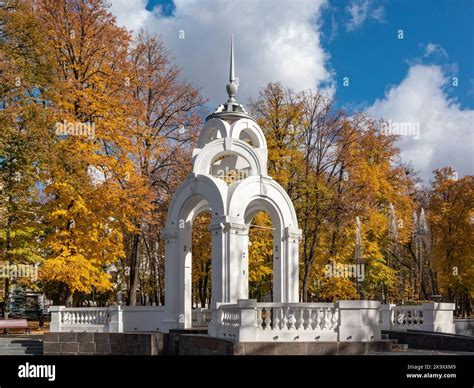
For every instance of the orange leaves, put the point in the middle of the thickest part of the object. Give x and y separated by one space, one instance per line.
452 227
260 255
335 168
75 270
337 288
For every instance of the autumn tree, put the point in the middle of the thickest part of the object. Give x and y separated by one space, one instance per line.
87 208
24 74
202 260
261 257
162 125
335 169
451 222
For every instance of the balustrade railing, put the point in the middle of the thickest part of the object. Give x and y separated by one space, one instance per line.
112 319
435 317
87 316
279 321
410 317
201 317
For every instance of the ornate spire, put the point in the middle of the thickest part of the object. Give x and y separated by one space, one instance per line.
231 110
232 86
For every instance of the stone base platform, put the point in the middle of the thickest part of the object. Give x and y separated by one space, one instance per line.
103 344
193 343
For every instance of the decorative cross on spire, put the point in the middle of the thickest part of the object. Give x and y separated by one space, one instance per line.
232 86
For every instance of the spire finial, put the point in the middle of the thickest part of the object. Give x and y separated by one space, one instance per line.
231 75
232 85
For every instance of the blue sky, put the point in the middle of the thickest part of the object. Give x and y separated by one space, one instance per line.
314 44
373 57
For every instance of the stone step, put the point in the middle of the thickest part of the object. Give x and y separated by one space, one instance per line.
17 343
20 353
21 346
10 339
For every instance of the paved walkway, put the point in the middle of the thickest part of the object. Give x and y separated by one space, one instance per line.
422 352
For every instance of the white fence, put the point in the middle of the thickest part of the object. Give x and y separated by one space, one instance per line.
113 319
434 317
248 320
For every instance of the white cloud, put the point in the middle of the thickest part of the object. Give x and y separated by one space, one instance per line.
273 42
433 49
130 13
446 135
360 11
378 14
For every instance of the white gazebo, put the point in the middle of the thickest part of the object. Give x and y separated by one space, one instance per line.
230 180
231 145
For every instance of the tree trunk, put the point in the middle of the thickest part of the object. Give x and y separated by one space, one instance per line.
134 262
5 298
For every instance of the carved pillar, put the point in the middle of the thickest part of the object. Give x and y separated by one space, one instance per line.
172 276
286 265
229 260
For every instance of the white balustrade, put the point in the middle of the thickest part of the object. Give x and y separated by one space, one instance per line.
93 319
434 317
278 321
112 319
201 317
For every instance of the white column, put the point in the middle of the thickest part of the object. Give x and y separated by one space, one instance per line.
286 265
55 325
279 266
386 316
219 273
245 263
237 237
116 319
186 277
229 260
219 265
170 237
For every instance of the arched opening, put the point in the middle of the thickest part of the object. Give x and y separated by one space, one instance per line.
255 194
230 167
260 254
195 196
249 132
248 138
213 129
265 249
201 261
